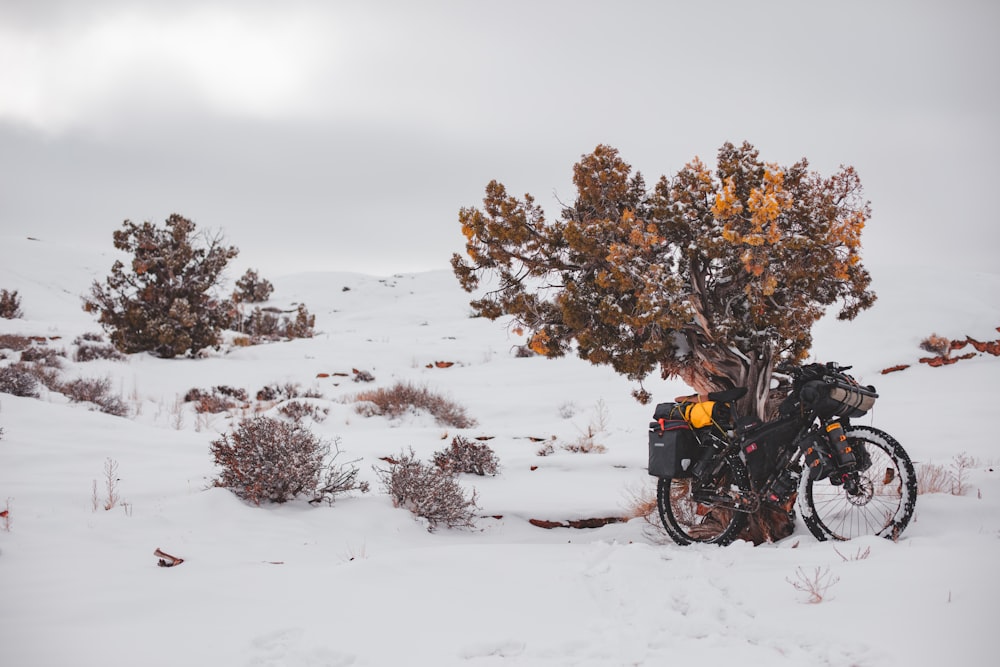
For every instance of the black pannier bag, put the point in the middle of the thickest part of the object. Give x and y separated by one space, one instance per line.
838 397
760 445
672 448
668 411
819 461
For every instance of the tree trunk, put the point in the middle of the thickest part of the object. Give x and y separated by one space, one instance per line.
719 368
717 364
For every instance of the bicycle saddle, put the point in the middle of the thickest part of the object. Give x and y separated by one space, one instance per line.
729 395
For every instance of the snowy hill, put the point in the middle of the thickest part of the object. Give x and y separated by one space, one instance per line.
364 583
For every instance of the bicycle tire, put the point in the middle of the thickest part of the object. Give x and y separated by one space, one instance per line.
883 500
688 522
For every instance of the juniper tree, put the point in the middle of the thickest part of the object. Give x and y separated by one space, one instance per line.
713 277
251 288
164 302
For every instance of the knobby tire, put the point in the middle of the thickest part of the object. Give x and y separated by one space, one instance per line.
689 522
884 503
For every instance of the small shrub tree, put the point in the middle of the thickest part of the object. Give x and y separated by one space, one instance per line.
469 457
10 305
163 302
265 324
428 492
251 288
269 460
19 380
301 326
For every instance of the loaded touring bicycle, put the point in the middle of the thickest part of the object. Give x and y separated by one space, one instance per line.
715 468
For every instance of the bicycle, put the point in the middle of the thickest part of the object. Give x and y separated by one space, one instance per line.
849 480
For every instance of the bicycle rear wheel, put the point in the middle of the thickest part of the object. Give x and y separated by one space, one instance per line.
878 500
688 521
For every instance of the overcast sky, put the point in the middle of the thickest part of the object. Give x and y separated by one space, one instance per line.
324 135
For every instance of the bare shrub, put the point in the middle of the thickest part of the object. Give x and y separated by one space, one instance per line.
268 460
47 376
14 342
953 479
858 555
94 352
546 449
98 392
935 344
299 410
587 443
567 410
428 492
91 346
10 305
337 480
273 392
219 399
111 494
465 456
404 397
45 356
264 324
19 380
961 465
814 585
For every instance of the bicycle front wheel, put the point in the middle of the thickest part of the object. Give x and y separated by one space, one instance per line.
878 500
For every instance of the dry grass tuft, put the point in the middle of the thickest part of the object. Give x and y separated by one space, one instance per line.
587 443
404 397
953 479
814 585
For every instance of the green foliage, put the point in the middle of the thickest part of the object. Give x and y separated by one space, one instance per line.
163 302
713 277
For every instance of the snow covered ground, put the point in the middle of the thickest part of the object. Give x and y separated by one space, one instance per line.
364 583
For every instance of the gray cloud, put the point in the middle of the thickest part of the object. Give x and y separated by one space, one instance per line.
395 115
